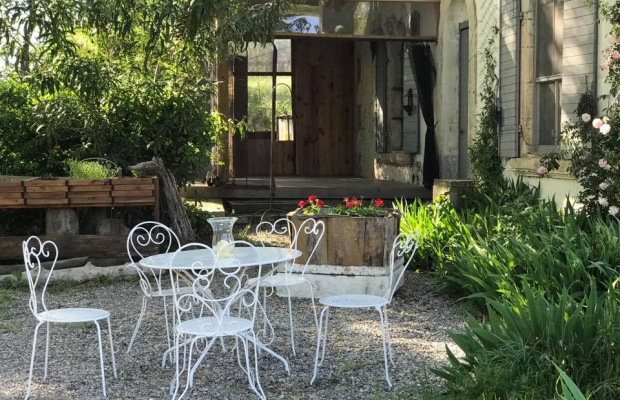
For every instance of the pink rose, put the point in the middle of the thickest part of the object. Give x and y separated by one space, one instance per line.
603 164
605 67
586 117
542 170
605 129
615 54
597 123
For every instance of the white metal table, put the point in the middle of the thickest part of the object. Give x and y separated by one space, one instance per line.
243 257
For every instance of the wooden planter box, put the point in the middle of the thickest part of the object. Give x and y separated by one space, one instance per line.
40 193
350 241
353 256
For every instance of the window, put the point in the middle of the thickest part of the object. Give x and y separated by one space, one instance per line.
549 52
397 105
262 78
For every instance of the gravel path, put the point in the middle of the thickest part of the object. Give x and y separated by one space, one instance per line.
353 367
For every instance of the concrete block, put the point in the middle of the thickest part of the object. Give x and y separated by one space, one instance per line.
455 189
61 221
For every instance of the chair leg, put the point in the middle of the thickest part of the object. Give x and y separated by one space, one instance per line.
260 387
385 351
318 343
112 348
167 328
389 337
34 348
188 382
174 386
200 359
47 349
139 322
290 319
101 357
325 337
316 318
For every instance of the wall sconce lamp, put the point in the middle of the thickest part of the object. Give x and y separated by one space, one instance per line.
408 107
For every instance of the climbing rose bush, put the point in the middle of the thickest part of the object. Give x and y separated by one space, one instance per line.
594 145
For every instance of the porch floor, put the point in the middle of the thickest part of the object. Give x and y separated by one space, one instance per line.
295 187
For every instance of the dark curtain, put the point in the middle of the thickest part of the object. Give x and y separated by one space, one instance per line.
423 67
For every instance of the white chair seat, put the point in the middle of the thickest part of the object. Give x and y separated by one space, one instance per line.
169 293
212 327
354 301
278 280
73 315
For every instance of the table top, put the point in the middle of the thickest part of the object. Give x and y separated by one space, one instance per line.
238 257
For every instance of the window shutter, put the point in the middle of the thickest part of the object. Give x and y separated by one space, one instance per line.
579 59
509 61
411 123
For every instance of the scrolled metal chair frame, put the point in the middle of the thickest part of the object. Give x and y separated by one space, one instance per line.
404 244
35 251
140 237
285 226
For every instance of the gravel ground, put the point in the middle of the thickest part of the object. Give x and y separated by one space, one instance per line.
353 367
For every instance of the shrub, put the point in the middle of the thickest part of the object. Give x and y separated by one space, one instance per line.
198 218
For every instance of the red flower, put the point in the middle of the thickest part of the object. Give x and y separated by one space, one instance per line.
350 204
346 199
311 198
379 203
320 203
302 204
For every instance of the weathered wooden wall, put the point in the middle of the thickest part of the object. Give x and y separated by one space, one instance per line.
323 104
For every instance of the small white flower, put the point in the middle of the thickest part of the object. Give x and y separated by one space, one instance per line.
605 129
603 201
586 117
603 185
613 211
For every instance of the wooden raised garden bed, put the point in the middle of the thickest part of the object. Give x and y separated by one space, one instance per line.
41 193
350 241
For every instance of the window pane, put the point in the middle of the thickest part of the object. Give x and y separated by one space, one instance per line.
259 101
260 59
549 37
547 113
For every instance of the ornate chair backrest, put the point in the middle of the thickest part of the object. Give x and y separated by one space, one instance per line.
311 227
405 245
37 252
219 282
143 236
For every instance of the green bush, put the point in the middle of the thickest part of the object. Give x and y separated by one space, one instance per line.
198 218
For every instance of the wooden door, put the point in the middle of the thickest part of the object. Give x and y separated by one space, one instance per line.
323 104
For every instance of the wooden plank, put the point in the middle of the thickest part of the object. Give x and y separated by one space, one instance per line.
46 202
4 184
43 182
10 195
46 195
374 241
90 194
134 200
87 182
133 187
132 193
46 189
345 241
91 201
12 189
11 202
101 188
73 246
132 181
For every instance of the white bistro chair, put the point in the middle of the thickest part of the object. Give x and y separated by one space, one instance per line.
290 273
36 252
143 237
220 305
403 245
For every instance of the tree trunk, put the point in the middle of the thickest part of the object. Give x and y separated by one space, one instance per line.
173 203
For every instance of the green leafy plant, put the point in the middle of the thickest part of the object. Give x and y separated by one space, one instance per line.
483 153
90 170
199 219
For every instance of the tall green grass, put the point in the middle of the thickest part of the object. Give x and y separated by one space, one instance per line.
546 280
